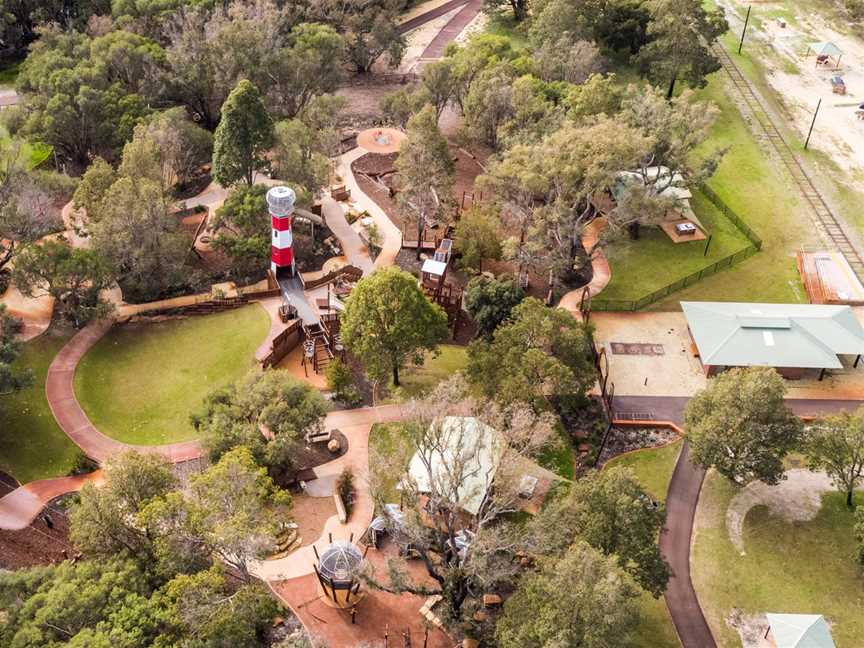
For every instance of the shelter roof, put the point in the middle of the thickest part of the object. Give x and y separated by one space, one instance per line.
773 335
800 631
826 49
469 447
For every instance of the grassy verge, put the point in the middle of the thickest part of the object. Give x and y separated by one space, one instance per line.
653 261
558 456
653 470
31 153
418 381
387 447
796 567
759 190
32 445
140 383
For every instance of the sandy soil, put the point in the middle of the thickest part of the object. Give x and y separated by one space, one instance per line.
798 498
795 77
675 373
751 628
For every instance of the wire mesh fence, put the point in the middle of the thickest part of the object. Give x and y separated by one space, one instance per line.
600 304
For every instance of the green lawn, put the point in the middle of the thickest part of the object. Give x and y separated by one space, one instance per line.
653 470
32 445
9 73
388 448
653 261
558 457
418 381
803 567
140 383
760 191
32 153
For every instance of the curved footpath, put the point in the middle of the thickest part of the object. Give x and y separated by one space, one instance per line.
20 507
60 392
391 236
682 500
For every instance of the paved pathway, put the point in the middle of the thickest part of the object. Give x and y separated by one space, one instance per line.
451 30
353 248
416 21
602 273
391 236
20 507
355 425
681 502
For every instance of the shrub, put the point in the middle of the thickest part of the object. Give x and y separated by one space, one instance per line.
341 382
345 488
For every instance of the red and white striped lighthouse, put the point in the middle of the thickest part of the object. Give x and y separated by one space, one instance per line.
280 202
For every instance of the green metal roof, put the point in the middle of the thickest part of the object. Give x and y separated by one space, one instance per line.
733 334
800 631
827 49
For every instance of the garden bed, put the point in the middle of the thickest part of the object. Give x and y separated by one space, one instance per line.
624 439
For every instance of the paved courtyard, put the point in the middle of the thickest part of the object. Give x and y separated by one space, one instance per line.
675 371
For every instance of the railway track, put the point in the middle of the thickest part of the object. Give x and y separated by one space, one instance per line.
823 217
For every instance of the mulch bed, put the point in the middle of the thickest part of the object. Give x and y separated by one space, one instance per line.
625 439
38 544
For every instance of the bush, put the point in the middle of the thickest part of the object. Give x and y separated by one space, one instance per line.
341 382
345 488
855 9
83 464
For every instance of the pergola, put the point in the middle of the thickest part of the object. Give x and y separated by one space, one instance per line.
825 51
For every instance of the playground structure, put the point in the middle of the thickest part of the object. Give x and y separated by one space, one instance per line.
338 572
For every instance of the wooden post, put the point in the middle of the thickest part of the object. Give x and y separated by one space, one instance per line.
857 360
812 123
821 373
744 31
707 243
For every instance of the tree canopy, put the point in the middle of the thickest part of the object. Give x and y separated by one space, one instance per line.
540 356
271 401
582 599
490 302
741 426
613 514
835 444
244 133
388 322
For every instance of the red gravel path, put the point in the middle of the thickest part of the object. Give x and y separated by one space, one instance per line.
60 393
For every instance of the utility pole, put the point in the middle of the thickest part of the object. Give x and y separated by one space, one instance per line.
744 31
812 123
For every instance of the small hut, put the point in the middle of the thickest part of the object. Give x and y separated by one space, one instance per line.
826 53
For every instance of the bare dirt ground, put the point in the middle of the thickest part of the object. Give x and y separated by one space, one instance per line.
798 498
793 74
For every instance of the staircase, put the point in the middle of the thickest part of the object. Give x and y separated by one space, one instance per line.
318 346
